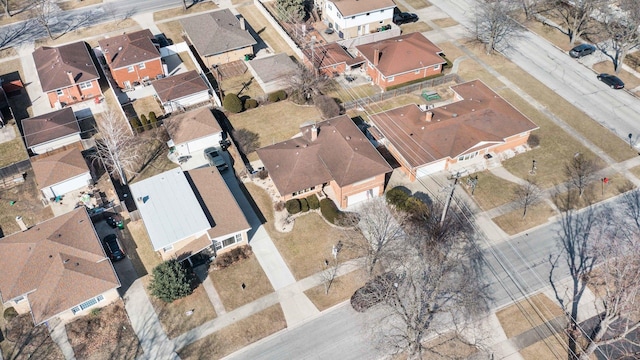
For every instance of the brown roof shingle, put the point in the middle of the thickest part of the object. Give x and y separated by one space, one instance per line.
482 119
401 54
329 55
57 264
341 152
59 167
51 126
192 125
129 49
216 32
178 86
53 63
354 7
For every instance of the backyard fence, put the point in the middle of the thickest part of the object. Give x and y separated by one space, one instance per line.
13 174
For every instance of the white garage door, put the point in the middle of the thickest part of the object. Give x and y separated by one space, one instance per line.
196 146
354 199
71 184
431 168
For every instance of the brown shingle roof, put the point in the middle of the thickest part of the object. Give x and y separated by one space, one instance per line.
401 54
341 152
216 32
58 264
53 63
354 7
51 126
178 86
58 167
129 49
219 202
482 119
192 125
329 55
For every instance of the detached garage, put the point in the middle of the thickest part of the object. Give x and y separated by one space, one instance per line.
180 91
193 131
61 173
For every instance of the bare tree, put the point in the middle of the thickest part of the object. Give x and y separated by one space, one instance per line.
44 12
329 273
184 4
5 5
246 140
580 172
305 84
527 195
530 7
382 240
631 203
116 147
619 32
576 16
494 24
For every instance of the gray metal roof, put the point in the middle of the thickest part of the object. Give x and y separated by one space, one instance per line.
169 208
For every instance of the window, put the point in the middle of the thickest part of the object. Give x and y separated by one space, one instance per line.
227 242
167 248
87 304
367 14
417 71
130 68
59 92
353 17
303 191
141 66
86 85
468 156
391 78
329 7
436 67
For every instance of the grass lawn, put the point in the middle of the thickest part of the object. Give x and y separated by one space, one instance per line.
75 4
445 22
491 191
274 122
180 11
418 26
27 204
263 28
228 283
341 290
105 335
144 106
380 106
418 4
12 151
633 60
186 60
237 83
596 192
361 91
7 52
172 30
550 348
140 250
173 315
157 161
513 223
305 248
24 341
449 346
630 80
237 335
84 33
635 171
19 12
527 313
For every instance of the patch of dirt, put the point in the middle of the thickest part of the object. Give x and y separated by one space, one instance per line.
22 200
106 335
24 341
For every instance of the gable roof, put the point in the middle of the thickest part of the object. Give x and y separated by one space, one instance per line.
129 49
54 63
341 152
56 168
58 264
404 53
354 7
192 125
481 119
50 126
178 86
216 32
177 204
330 54
277 67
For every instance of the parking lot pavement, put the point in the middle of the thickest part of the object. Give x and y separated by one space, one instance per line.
124 268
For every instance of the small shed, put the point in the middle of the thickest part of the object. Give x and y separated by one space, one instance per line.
61 173
180 91
194 131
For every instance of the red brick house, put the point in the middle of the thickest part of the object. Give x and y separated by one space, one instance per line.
463 135
132 58
333 153
330 59
67 74
401 59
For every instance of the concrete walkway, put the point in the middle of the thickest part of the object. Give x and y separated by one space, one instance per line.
214 297
59 336
39 101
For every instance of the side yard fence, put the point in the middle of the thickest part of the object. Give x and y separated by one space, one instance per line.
279 28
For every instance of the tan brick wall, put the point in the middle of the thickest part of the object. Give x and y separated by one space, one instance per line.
342 193
227 57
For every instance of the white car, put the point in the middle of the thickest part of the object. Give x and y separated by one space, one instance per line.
214 158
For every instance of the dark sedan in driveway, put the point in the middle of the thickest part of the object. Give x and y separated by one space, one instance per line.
112 247
404 18
613 81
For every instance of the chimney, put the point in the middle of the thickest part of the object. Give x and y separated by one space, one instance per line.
428 116
243 25
20 222
376 56
314 132
71 78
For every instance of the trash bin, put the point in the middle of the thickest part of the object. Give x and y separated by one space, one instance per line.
247 57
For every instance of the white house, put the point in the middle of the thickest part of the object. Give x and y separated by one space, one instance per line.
180 91
353 18
193 131
61 173
51 131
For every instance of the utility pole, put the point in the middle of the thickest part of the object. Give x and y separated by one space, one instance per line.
448 203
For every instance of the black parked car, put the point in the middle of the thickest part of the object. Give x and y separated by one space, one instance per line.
582 50
115 221
112 247
404 18
613 81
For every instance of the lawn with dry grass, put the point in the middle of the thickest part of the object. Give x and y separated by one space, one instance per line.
156 152
527 313
512 222
635 171
75 4
351 93
20 11
445 22
418 26
243 85
12 151
418 4
274 122
145 105
8 52
237 335
491 191
341 290
172 30
629 79
186 60
22 200
22 341
228 283
193 9
550 348
265 30
173 316
136 241
597 191
380 106
309 244
104 335
449 346
88 32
